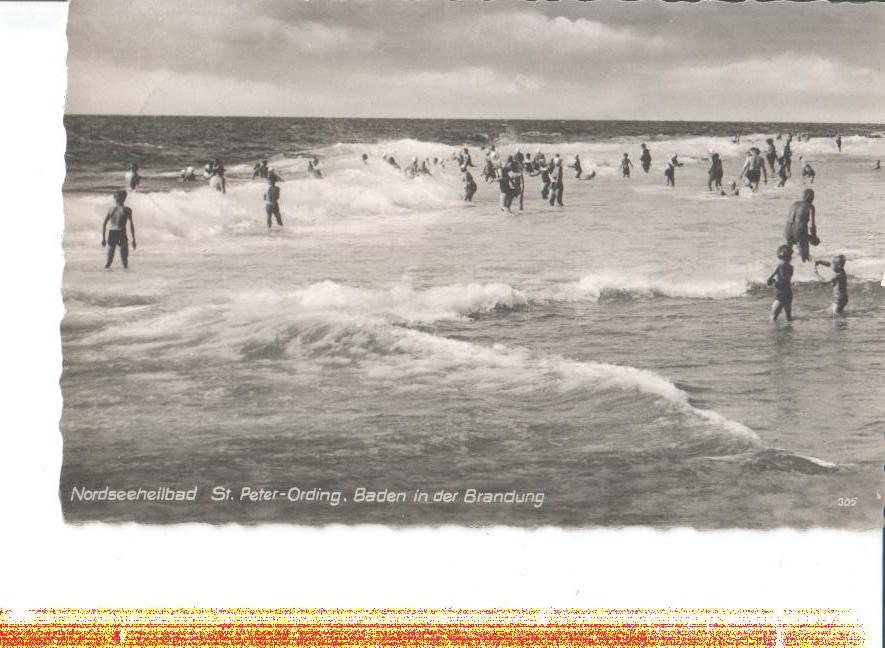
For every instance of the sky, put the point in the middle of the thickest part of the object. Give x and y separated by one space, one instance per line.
498 59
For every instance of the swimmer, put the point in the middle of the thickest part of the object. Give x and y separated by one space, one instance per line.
781 279
469 184
781 171
272 200
645 157
365 158
625 166
753 169
715 173
878 166
544 172
576 165
502 175
517 182
733 190
808 173
313 167
670 171
464 157
118 216
839 142
132 177
770 153
839 282
788 155
801 229
556 182
391 161
411 171
215 172
187 175
260 170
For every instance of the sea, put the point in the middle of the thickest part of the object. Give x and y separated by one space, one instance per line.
430 361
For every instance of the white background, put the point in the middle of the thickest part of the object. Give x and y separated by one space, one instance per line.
45 563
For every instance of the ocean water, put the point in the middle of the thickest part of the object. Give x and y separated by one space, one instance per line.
613 354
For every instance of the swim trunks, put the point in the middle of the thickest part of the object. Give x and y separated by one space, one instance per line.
117 237
753 175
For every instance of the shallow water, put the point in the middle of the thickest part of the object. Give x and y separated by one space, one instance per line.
614 354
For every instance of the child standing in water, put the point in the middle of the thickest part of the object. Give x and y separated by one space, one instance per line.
839 282
118 216
625 166
781 279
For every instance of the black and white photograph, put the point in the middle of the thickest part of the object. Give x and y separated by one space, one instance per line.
569 264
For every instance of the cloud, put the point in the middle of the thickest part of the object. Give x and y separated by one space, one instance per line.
785 73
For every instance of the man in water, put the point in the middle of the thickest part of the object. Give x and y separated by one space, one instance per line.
469 184
502 174
118 216
715 173
670 171
556 183
132 177
839 142
576 165
272 201
313 167
645 157
754 169
770 153
797 230
464 159
365 159
187 175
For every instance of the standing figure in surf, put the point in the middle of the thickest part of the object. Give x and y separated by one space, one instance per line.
754 169
272 201
801 228
469 184
839 282
788 155
781 172
517 182
715 173
502 175
546 169
557 185
118 216
645 157
576 165
215 172
839 142
464 158
313 167
132 177
625 166
782 280
670 171
808 173
770 153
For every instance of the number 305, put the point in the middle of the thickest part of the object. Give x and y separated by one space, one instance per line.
847 501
